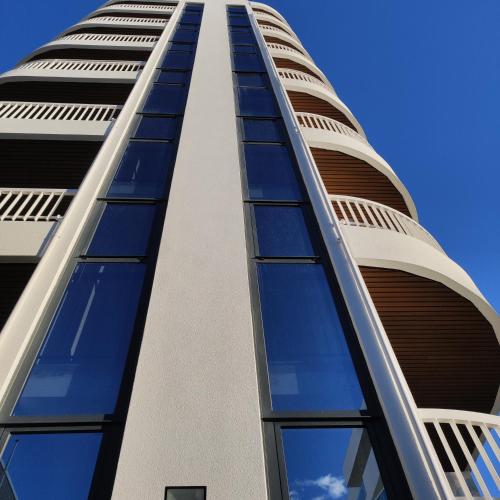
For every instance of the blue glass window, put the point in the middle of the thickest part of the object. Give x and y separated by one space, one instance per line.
178 60
155 127
282 232
165 99
236 9
310 367
331 463
271 173
181 47
193 7
252 80
143 171
191 18
79 368
242 37
49 466
173 77
244 49
263 130
257 102
123 230
238 20
248 62
185 34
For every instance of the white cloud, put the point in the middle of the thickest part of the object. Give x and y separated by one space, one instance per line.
333 486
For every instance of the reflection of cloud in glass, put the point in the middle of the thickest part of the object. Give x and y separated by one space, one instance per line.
334 486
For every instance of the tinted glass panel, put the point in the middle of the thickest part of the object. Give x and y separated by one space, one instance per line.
237 20
173 77
257 102
185 35
263 130
270 173
165 99
191 18
242 37
80 364
143 171
153 127
244 49
178 60
181 47
331 463
247 62
282 232
310 367
252 80
123 230
43 466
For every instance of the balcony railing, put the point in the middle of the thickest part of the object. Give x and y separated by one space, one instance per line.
146 21
293 74
469 443
101 37
82 65
278 46
37 205
16 110
319 122
359 212
140 6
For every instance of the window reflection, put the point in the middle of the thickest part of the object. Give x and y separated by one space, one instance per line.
156 127
263 130
49 466
309 363
331 463
166 99
256 101
80 364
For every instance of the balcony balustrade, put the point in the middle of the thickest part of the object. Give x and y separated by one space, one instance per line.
468 444
107 38
120 21
136 7
268 20
318 122
82 65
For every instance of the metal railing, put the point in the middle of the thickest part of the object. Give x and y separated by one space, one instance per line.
470 447
311 120
125 20
294 74
140 6
102 37
17 110
83 65
286 48
359 212
22 205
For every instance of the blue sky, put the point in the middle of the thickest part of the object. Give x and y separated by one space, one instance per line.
423 78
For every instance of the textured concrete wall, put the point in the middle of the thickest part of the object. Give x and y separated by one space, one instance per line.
194 417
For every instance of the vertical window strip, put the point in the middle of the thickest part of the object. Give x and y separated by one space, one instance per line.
75 396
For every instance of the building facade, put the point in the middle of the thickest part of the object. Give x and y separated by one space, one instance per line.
214 287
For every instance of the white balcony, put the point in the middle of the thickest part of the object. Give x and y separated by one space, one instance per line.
470 442
75 70
271 31
41 120
28 218
266 18
136 7
121 22
270 10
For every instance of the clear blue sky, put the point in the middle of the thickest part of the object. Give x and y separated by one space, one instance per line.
423 78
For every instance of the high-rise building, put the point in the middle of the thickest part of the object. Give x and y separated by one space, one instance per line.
212 286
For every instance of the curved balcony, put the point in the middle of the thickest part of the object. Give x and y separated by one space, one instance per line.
443 331
119 22
467 446
77 70
258 7
100 41
268 20
136 7
40 120
324 133
274 35
28 218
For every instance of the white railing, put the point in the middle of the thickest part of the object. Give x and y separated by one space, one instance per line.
310 120
125 20
273 31
21 205
83 65
278 46
140 6
364 213
260 16
293 74
101 37
478 476
16 110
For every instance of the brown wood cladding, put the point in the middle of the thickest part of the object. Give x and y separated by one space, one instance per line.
348 176
288 64
446 348
272 39
307 103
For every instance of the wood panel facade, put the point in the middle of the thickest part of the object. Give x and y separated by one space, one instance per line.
447 350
